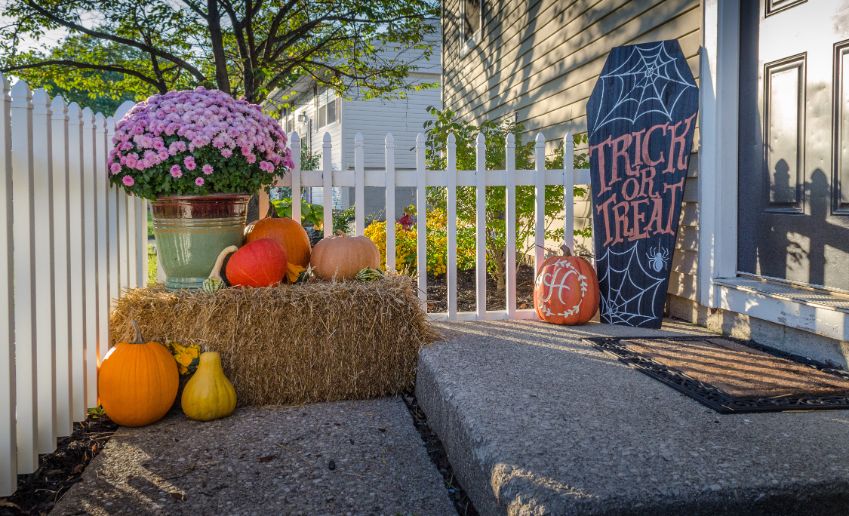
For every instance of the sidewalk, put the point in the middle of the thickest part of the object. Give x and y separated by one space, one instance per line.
536 422
358 457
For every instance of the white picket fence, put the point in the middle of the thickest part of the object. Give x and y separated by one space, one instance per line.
69 244
390 178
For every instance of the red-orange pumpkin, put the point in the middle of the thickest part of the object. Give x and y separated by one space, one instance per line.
260 263
291 235
566 290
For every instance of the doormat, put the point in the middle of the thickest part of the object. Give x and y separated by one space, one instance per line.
733 376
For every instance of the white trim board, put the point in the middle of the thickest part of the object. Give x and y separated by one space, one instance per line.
720 63
818 319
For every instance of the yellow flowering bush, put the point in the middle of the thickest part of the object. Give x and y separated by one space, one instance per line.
437 244
186 355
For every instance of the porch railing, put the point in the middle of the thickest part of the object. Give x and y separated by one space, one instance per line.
421 178
68 245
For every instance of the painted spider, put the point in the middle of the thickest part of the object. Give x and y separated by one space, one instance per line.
657 258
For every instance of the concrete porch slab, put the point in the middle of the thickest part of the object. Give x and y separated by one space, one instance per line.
536 422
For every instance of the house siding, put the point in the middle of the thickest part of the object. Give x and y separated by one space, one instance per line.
537 62
374 118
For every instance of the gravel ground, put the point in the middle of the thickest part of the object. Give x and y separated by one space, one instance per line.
357 457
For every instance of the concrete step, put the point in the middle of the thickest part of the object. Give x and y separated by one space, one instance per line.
534 421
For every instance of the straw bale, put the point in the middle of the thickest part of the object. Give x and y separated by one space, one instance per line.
320 341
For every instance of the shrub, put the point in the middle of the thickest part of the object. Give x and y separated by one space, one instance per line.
436 241
437 130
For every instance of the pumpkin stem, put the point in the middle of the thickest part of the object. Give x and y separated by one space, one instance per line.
137 338
566 250
216 270
340 233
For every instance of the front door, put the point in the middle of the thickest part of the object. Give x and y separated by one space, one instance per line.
793 209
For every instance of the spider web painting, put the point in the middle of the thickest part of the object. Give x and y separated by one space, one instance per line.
641 123
649 81
631 285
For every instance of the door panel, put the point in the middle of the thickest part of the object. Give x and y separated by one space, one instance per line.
794 141
784 132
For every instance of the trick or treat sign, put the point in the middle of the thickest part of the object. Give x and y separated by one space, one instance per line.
641 118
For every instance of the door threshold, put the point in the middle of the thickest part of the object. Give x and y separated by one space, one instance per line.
819 311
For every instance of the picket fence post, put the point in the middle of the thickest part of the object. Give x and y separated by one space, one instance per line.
24 278
539 206
451 273
421 219
76 272
327 182
359 185
390 202
61 266
295 144
510 223
8 439
569 192
90 257
480 225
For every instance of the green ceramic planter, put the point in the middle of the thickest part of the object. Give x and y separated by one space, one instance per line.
192 230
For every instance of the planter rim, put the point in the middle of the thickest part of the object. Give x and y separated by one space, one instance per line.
209 197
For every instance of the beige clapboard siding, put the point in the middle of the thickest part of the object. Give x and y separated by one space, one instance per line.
511 37
545 75
577 59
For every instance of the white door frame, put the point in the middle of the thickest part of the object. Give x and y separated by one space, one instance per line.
720 71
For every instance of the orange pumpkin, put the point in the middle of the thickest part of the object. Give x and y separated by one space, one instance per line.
261 263
137 381
342 257
566 290
288 233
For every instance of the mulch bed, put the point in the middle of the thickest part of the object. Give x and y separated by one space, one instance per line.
38 492
732 376
437 291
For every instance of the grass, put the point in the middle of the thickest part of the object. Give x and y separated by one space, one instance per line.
151 264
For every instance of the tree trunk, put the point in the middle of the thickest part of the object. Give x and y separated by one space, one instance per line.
222 80
500 270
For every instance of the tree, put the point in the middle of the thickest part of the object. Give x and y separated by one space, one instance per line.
437 131
247 48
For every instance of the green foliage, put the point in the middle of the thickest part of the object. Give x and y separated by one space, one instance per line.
152 264
446 122
309 160
311 214
436 242
129 48
342 220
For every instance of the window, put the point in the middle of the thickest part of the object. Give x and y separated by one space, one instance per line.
290 124
328 108
472 22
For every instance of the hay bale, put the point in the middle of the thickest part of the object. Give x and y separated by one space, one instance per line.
293 344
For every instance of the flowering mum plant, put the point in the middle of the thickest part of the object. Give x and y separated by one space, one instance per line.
196 142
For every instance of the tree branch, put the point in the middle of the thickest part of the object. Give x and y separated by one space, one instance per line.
117 39
222 78
90 66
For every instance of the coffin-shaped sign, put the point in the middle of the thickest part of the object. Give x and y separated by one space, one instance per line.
641 118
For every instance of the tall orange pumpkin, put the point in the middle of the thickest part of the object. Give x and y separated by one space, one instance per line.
137 381
260 263
288 233
342 257
566 290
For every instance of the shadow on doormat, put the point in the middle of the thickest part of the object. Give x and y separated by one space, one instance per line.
733 376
